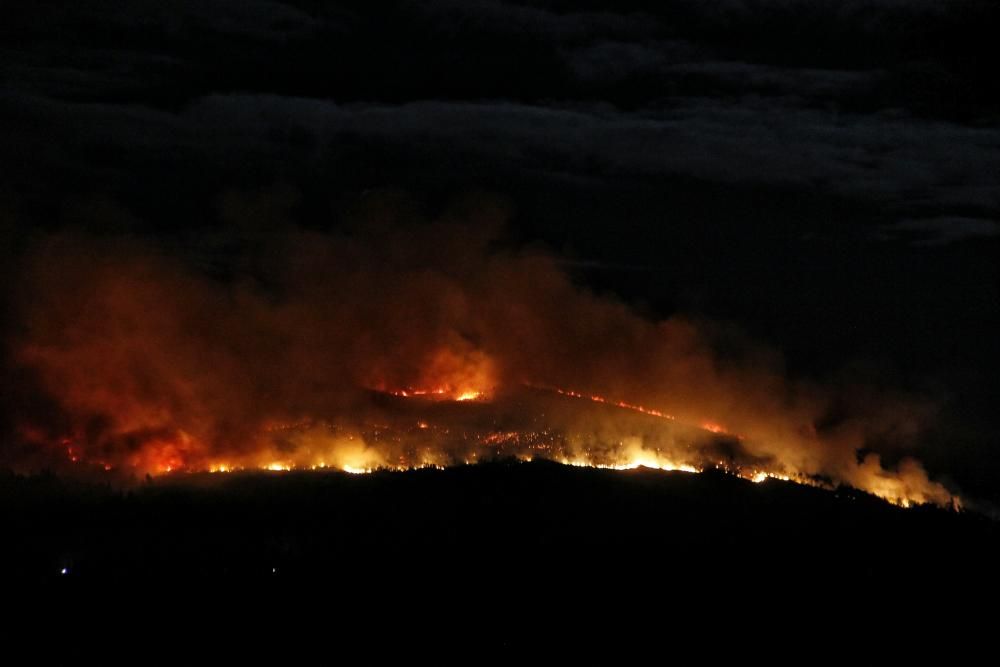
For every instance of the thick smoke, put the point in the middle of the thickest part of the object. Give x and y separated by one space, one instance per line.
148 359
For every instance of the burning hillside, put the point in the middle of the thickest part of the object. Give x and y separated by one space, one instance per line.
401 347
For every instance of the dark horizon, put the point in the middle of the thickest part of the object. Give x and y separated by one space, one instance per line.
501 526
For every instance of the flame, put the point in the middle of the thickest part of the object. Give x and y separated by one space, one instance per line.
318 445
758 476
710 426
715 428
451 374
601 399
446 393
641 461
889 487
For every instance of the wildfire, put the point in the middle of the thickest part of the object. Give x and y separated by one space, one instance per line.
438 393
758 476
305 443
424 443
642 461
601 399
140 363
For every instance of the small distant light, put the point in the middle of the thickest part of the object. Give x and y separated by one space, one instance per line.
64 570
274 570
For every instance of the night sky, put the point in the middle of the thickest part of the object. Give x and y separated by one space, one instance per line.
822 176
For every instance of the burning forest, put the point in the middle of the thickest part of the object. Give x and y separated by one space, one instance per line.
561 307
398 345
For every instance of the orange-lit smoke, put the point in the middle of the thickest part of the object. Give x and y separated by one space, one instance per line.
149 364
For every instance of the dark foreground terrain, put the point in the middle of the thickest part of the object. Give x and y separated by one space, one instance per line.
497 523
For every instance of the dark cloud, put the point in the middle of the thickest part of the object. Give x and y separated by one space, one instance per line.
936 231
166 53
453 16
256 19
610 61
909 165
803 82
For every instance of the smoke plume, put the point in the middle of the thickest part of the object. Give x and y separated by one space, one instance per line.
294 347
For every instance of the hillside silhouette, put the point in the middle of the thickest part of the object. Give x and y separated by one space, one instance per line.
494 523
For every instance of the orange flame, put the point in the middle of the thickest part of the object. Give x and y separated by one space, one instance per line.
320 446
